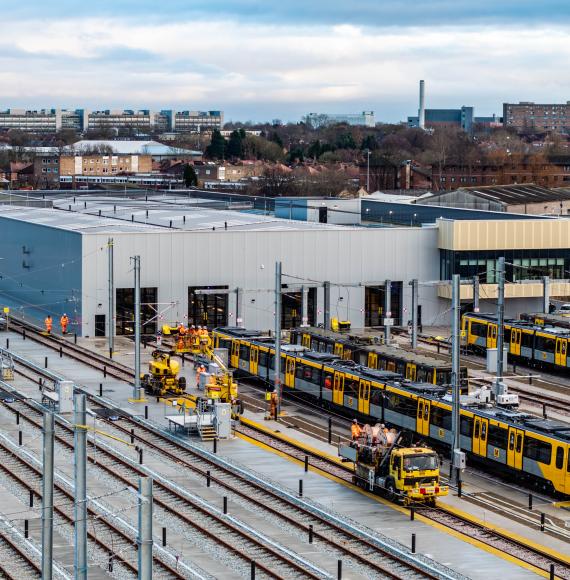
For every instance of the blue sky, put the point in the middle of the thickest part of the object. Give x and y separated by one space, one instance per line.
260 60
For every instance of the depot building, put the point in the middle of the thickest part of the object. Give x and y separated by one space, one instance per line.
212 267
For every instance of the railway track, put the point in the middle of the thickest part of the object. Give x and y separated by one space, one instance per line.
530 555
104 536
15 562
180 509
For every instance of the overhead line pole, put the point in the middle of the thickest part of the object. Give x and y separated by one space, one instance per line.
455 372
80 560
277 379
475 293
414 285
111 327
137 272
387 311
144 539
47 498
500 325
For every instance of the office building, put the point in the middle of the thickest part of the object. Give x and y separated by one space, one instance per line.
80 120
364 119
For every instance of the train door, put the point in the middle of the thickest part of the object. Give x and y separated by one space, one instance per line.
422 424
338 388
373 360
515 347
561 348
480 433
306 340
234 359
411 371
491 335
253 359
514 449
290 372
364 397
339 349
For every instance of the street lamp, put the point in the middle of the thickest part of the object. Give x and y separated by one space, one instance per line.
368 170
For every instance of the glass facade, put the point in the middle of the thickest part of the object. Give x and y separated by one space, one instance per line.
125 301
374 297
209 310
519 264
292 306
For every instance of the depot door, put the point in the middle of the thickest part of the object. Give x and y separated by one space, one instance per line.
364 397
422 423
480 431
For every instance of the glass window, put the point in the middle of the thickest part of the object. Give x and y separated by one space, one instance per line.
466 426
209 309
497 436
559 457
537 450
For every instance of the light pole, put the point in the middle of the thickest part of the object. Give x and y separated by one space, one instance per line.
368 170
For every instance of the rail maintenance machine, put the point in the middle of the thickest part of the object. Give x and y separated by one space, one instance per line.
162 377
405 474
217 383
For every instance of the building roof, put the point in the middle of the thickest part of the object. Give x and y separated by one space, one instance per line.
515 194
188 215
135 147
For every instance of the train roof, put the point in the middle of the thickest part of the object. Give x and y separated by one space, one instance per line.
528 323
558 320
368 340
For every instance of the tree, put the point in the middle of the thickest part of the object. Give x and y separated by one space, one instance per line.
217 147
235 145
190 177
369 142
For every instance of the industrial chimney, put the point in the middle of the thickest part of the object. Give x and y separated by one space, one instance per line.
422 109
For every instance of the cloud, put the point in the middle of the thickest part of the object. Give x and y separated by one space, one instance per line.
260 72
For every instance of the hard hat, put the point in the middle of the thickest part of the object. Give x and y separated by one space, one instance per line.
355 421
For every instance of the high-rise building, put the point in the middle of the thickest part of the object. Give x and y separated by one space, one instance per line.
527 117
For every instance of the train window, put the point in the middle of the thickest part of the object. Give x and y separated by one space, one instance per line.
440 418
328 381
244 352
537 450
350 388
401 404
511 441
477 429
483 431
559 457
426 412
498 437
526 340
545 343
420 409
272 361
563 347
262 358
478 329
376 397
507 334
519 443
466 426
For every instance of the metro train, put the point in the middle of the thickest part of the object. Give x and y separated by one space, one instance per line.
361 347
502 440
545 347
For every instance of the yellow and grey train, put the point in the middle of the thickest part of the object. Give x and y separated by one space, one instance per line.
362 348
501 440
545 347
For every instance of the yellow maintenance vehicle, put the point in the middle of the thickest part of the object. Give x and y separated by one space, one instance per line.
187 340
162 378
404 474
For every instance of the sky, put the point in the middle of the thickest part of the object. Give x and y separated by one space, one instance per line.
264 59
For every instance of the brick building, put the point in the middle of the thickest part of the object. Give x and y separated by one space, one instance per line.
103 165
528 117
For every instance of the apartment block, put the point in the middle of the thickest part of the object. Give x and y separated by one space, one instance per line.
528 117
102 165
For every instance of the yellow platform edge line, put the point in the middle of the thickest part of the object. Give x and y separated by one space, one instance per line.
459 535
291 440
